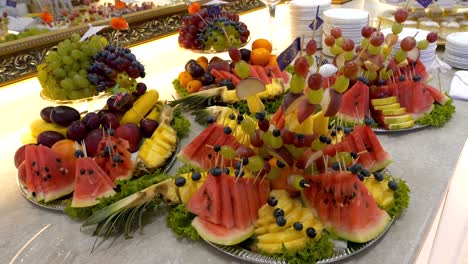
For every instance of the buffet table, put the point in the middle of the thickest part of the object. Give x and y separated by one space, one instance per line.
28 234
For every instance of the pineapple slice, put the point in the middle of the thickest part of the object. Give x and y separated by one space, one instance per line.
190 187
157 149
379 190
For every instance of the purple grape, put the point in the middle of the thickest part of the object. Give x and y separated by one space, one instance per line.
140 89
91 121
45 114
111 104
148 126
109 121
206 79
76 131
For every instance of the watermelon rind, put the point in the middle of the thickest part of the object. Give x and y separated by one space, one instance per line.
417 116
90 202
51 196
366 234
231 236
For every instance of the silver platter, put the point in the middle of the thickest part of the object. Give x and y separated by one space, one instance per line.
59 205
384 130
341 254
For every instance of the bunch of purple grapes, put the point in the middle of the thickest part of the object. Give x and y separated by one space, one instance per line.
111 61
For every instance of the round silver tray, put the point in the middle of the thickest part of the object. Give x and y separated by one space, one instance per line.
253 257
384 130
59 205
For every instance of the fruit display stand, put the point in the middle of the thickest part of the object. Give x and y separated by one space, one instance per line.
30 234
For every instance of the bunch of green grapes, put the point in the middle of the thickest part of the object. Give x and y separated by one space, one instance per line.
63 75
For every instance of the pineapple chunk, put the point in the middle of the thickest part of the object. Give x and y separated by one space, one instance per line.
379 190
278 247
190 187
282 237
157 149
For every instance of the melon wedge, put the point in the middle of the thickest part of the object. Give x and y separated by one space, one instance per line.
219 234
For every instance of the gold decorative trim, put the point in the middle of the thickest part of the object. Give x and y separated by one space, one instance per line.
18 59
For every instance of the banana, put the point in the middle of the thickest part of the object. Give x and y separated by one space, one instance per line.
155 113
140 108
38 126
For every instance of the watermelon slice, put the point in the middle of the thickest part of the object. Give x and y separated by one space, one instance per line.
91 183
114 158
227 207
342 201
437 95
355 104
199 153
48 176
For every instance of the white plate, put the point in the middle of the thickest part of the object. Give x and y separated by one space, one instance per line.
346 13
458 39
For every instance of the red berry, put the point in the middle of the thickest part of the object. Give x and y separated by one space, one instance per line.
311 47
336 32
401 15
330 41
315 81
377 38
432 37
301 66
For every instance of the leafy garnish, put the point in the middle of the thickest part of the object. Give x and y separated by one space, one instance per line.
126 189
179 89
180 221
314 251
186 169
180 124
440 115
271 105
401 198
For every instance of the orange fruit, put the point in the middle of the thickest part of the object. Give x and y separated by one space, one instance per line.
184 78
262 43
272 60
65 148
260 56
194 86
202 59
204 65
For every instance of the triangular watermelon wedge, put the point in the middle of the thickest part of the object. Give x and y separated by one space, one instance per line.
355 104
91 183
114 157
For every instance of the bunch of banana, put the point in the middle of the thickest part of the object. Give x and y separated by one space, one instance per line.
156 150
141 107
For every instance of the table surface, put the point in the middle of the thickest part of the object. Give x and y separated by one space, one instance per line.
28 234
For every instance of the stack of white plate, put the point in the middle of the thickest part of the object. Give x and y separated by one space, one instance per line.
456 50
302 13
426 56
350 20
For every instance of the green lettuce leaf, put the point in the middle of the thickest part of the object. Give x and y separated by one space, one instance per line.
439 116
179 89
181 124
180 221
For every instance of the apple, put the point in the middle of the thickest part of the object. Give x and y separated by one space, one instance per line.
305 110
288 99
283 155
249 87
92 140
331 102
131 133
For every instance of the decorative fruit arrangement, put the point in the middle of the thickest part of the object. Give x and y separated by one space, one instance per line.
94 151
211 28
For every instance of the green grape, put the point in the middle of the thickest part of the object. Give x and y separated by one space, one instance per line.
80 81
76 66
75 95
397 28
67 84
400 55
76 54
336 50
339 41
423 44
374 50
242 69
274 173
297 84
386 50
371 75
228 152
295 181
315 96
364 43
384 74
276 142
59 73
71 73
67 60
348 55
317 145
83 72
341 84
248 126
267 138
255 163
310 59
42 76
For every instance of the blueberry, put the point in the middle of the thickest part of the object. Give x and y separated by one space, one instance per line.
210 120
360 176
336 166
381 82
368 121
272 201
330 126
245 161
217 148
111 132
354 155
238 173
276 132
393 185
333 133
323 138
356 168
402 78
298 226
365 173
363 80
278 212
300 136
79 153
416 78
180 181
348 130
281 221
227 130
232 116
311 232
216 171
227 83
260 115
378 176
240 117
329 141
227 171
304 183
196 176
116 158
237 165
280 164
339 128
